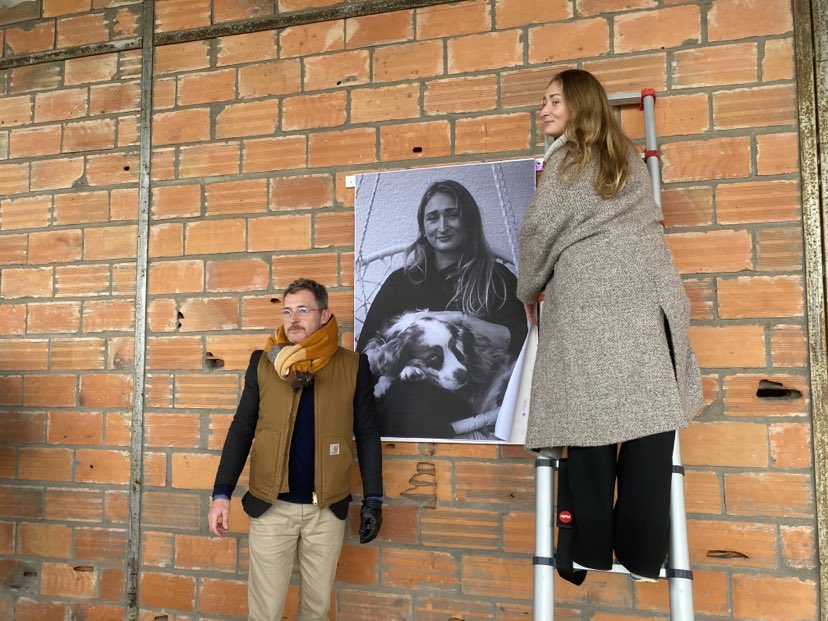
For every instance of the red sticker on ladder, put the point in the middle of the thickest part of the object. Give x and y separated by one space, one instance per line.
565 517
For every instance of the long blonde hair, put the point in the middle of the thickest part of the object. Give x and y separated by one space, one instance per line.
593 130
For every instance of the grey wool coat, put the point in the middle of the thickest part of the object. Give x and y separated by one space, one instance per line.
604 372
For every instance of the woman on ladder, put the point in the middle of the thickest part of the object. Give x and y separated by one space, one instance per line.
614 363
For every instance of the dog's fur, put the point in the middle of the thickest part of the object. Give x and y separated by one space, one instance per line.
421 345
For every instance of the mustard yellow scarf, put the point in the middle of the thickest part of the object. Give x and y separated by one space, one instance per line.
306 357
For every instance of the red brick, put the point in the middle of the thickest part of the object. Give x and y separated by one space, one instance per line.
112 168
81 207
100 544
740 445
176 277
372 30
453 19
687 206
303 192
715 158
13 320
44 464
488 134
377 104
572 40
175 353
215 236
75 427
485 51
726 19
741 108
182 57
25 213
203 391
82 280
512 13
702 492
758 201
798 546
14 178
34 141
174 201
223 597
320 267
55 246
740 396
82 30
163 93
109 390
42 76
234 197
96 135
159 590
29 609
52 8
246 48
247 119
102 466
109 98
173 15
22 502
308 39
729 346
206 160
769 494
190 125
408 61
333 229
761 296
774 598
26 282
166 240
790 445
237 275
67 580
275 233
778 60
415 140
17 111
675 115
777 154
200 552
13 250
460 95
108 315
57 105
789 346
38 37
206 86
172 430
201 314
260 312
338 148
74 504
417 569
157 549
312 111
279 153
56 173
193 470
227 10
715 65
234 351
113 242
658 29
337 69
76 354
630 73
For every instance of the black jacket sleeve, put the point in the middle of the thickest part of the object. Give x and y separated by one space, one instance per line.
242 429
366 431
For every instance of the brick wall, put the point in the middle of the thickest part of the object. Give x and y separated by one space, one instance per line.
253 135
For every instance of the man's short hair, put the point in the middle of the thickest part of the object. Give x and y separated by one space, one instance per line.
319 292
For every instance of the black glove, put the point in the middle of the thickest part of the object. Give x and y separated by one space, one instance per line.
370 520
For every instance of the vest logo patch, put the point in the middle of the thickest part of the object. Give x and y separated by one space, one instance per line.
334 449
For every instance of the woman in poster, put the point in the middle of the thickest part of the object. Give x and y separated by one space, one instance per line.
451 271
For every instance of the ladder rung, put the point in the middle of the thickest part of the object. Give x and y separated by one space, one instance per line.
617 568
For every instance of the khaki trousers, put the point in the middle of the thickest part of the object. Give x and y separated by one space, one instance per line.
275 538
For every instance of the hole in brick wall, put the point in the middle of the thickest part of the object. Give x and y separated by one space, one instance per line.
126 167
274 300
213 362
161 618
726 554
339 82
417 150
179 317
768 389
84 568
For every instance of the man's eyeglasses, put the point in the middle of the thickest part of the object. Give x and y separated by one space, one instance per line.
301 311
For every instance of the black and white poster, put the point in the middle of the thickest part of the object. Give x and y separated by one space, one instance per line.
434 297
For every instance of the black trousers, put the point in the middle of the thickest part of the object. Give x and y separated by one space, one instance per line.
637 527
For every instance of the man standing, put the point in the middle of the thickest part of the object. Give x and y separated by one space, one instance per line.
302 403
